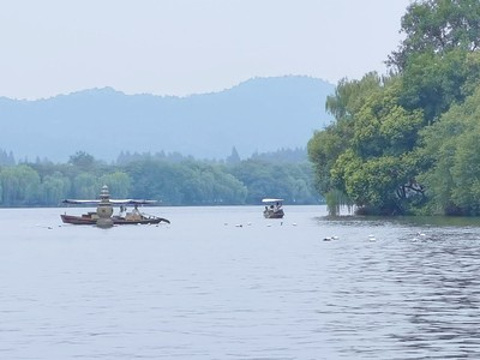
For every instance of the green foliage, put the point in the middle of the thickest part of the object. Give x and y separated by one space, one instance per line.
438 26
156 180
20 186
372 185
323 149
433 82
53 188
383 126
407 143
451 145
118 182
335 200
361 156
292 182
189 182
85 186
297 155
210 185
183 182
326 146
350 96
82 160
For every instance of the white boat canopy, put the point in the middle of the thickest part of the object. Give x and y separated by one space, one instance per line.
270 200
112 201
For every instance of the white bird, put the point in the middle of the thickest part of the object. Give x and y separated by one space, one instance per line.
419 236
371 237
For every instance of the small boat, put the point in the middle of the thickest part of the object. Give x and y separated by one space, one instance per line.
273 208
124 218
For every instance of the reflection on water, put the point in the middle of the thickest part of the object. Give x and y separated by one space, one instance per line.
420 285
224 283
423 221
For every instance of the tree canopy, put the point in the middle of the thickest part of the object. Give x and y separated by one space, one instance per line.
405 142
437 26
171 180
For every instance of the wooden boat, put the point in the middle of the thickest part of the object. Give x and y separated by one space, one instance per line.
91 218
129 218
273 208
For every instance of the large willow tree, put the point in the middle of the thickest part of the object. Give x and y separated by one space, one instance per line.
379 154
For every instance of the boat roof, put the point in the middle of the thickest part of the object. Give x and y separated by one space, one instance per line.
112 201
270 200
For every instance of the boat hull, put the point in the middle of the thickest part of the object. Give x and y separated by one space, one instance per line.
270 214
88 219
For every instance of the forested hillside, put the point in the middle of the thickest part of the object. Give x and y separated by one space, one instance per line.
258 115
407 143
232 147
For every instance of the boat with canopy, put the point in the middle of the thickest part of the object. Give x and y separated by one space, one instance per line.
135 217
273 208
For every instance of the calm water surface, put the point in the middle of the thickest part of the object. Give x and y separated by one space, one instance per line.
224 283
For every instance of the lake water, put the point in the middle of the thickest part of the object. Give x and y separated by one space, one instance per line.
224 283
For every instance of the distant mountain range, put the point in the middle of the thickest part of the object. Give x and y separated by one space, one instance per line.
258 115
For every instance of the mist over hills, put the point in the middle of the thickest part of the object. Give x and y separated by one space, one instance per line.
258 115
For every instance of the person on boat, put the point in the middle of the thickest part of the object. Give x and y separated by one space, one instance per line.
136 211
278 206
135 215
123 211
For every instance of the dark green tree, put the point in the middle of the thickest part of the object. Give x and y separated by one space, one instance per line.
380 152
451 150
82 160
437 27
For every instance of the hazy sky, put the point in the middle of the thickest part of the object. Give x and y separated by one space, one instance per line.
180 47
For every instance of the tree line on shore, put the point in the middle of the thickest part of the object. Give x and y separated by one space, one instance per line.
185 181
407 142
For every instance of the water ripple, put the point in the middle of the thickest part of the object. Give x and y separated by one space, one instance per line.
203 290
